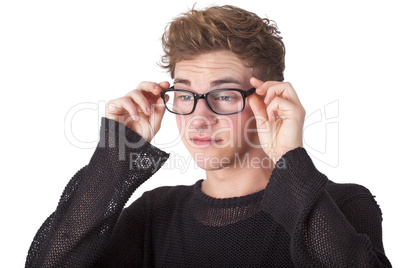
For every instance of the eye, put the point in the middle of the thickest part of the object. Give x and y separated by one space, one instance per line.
225 98
185 97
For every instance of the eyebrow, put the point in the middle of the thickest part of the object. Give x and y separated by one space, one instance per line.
213 83
182 81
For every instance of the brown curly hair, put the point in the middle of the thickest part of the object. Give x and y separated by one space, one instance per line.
254 40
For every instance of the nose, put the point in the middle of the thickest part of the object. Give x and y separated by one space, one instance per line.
202 117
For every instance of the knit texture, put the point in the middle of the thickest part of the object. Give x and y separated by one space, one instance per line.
301 219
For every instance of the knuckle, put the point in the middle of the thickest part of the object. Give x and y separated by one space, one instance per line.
132 93
125 100
138 97
111 106
275 101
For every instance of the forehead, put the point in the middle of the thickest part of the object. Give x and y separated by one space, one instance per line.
212 65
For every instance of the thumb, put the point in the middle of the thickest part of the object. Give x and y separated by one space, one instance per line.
259 109
157 114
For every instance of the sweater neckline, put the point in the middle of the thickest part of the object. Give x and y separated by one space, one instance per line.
226 202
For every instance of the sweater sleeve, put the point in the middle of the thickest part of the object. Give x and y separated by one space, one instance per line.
322 233
78 231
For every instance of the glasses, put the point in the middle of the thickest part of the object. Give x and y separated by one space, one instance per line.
220 101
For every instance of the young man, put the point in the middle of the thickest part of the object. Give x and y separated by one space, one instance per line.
262 204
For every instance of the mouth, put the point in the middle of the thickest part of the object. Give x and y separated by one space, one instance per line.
205 140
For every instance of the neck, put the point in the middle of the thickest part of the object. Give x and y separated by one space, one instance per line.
236 180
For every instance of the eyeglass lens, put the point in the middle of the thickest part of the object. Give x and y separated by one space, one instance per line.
221 102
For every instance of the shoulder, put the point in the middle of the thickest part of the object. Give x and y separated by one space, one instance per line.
341 191
347 194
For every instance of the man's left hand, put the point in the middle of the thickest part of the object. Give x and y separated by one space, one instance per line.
279 117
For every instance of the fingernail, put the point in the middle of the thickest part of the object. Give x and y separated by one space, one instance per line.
148 110
136 117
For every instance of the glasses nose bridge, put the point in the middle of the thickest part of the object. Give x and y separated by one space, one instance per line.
199 97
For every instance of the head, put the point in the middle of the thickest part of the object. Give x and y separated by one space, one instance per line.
215 48
254 40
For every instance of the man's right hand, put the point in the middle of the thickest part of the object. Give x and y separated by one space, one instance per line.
141 109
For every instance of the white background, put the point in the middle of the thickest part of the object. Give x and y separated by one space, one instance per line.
345 55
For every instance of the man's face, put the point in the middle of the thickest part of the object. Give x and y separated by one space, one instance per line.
224 137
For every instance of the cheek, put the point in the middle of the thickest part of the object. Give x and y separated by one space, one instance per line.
248 118
235 126
180 122
248 123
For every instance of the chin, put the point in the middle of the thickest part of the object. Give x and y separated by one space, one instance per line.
209 166
211 158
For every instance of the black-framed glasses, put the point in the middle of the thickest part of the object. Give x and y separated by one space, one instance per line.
220 101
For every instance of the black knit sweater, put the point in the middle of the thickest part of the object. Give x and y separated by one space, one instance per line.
301 219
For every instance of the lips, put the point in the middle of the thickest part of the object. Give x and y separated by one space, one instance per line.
204 140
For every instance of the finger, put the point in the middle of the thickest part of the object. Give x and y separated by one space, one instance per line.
158 88
280 107
121 107
286 91
143 102
147 93
256 82
161 87
271 89
152 87
130 107
115 107
157 114
164 85
259 109
261 86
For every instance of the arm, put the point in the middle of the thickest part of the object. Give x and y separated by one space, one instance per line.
125 246
76 233
323 235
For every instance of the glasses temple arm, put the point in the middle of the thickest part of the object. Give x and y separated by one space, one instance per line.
250 91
